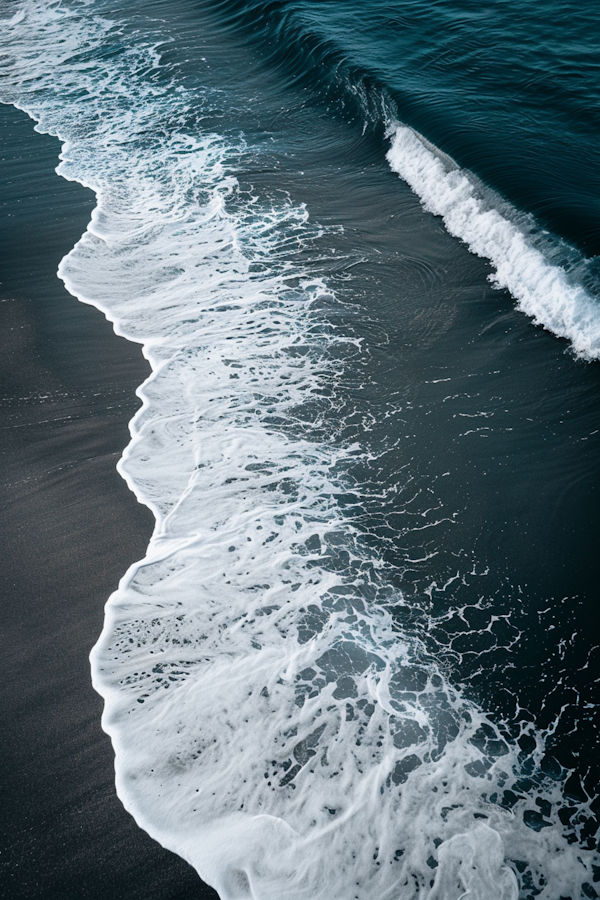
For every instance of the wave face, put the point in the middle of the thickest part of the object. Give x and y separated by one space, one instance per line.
273 722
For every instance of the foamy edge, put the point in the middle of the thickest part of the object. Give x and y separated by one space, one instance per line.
542 290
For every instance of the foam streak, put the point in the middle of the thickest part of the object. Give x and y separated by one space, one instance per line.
542 290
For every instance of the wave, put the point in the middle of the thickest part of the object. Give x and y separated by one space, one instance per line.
271 722
543 274
542 290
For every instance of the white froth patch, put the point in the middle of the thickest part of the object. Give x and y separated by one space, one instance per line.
542 290
270 722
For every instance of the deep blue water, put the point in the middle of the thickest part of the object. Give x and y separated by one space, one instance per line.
509 90
394 378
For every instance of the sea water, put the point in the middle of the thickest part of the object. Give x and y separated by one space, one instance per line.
358 659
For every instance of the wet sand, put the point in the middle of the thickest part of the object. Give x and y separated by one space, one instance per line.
69 530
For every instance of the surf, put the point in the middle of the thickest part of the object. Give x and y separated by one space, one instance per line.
272 722
542 290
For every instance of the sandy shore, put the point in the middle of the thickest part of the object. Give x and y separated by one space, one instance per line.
69 530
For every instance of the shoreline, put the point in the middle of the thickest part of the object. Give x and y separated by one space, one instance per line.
72 528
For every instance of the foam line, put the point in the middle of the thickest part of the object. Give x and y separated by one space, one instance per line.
542 290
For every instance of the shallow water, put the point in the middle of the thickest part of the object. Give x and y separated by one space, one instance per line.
363 632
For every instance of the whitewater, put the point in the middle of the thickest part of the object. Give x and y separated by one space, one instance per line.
272 723
543 290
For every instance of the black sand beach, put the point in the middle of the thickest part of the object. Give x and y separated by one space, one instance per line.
70 528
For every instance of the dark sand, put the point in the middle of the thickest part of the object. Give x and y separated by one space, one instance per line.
69 530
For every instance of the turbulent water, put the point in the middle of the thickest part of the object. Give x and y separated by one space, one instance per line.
359 658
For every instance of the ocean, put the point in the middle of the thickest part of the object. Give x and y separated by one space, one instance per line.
357 243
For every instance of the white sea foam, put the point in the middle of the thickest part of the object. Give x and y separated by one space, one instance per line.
542 290
270 722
